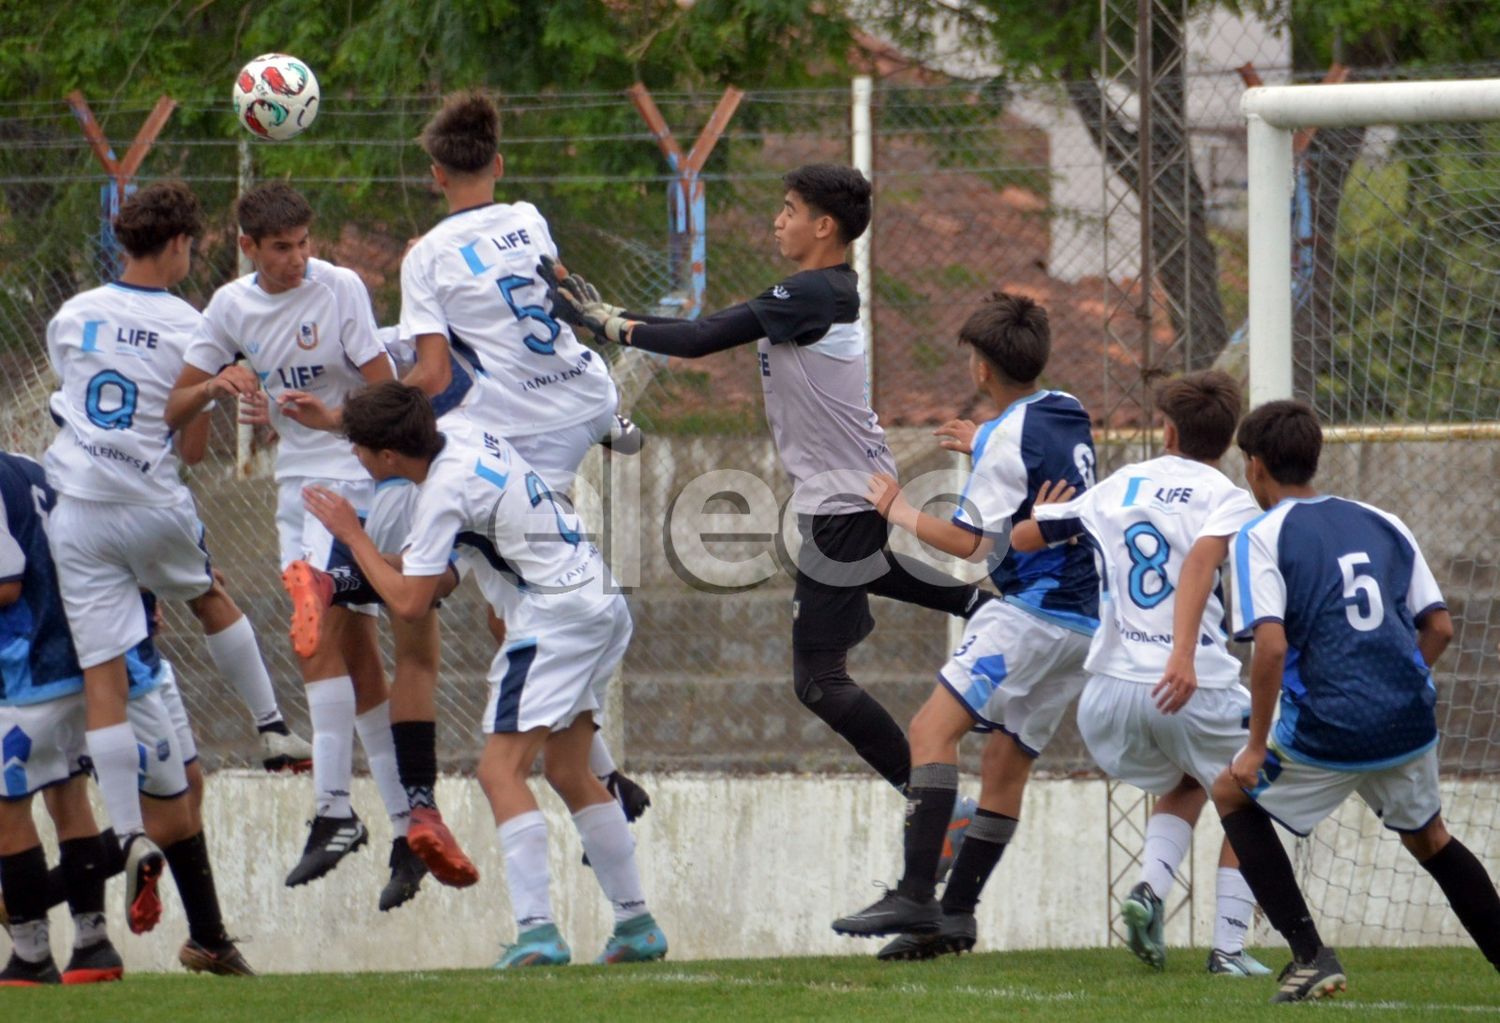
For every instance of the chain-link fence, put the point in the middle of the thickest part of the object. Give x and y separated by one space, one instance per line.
978 186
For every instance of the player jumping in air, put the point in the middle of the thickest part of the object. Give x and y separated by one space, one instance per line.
812 371
306 326
1170 741
567 633
1021 660
124 520
1347 620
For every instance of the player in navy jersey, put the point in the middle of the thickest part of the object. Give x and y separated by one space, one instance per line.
42 731
812 372
1021 660
1347 620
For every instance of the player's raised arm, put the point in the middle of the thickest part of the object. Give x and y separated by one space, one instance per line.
885 494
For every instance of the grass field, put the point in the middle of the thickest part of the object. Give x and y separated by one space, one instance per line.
1076 986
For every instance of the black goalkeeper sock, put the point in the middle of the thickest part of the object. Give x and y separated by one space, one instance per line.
83 865
1471 893
930 795
1268 871
416 761
983 845
194 876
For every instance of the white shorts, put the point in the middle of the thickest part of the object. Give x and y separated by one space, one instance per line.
1299 796
171 698
1016 672
44 744
556 454
107 553
547 679
1133 741
301 536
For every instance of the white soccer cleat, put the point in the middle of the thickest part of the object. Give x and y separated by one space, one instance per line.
288 752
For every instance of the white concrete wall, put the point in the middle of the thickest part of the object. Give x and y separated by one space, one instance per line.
733 867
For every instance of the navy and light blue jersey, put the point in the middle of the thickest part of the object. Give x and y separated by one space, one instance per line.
1043 437
1348 584
37 659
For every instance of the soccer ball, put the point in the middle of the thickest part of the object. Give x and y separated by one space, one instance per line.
276 96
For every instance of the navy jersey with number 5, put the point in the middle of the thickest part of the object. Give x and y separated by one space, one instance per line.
1348 584
37 659
1043 437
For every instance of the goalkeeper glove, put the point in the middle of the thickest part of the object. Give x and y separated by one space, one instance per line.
575 301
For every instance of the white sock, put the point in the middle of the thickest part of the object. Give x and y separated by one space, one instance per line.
1167 842
523 839
611 851
330 705
117 765
1234 911
88 928
601 764
374 727
237 657
32 940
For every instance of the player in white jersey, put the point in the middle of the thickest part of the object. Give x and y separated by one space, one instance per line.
123 518
483 345
305 326
1141 521
567 633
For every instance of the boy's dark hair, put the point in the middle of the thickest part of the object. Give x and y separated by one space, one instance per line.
841 192
464 135
1011 332
271 209
155 215
392 416
1204 407
1286 437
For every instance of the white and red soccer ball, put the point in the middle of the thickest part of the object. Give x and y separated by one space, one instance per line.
276 96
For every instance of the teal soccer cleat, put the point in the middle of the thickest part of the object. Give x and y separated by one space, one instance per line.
1144 920
637 940
536 946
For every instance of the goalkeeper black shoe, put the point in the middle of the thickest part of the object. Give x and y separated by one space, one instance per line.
24 973
956 934
329 841
633 799
894 913
407 871
1304 982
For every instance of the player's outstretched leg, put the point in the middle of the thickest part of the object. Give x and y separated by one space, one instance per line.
209 949
1315 971
1465 882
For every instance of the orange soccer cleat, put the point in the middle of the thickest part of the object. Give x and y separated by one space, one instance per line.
312 593
431 840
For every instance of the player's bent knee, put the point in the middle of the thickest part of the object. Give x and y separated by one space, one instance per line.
1428 842
1228 796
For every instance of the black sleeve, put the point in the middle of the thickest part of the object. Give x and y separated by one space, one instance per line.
1055 531
799 310
690 339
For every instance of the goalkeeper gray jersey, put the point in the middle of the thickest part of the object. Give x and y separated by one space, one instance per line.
812 370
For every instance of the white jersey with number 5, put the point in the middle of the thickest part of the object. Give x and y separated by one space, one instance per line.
473 279
117 350
312 338
482 495
1144 519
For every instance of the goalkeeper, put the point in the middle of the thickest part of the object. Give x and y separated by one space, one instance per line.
812 369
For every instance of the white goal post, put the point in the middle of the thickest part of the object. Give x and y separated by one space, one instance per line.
1273 114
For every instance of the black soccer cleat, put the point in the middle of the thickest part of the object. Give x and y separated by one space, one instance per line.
223 959
98 963
407 871
633 799
23 973
1303 982
956 934
895 913
329 841
625 438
